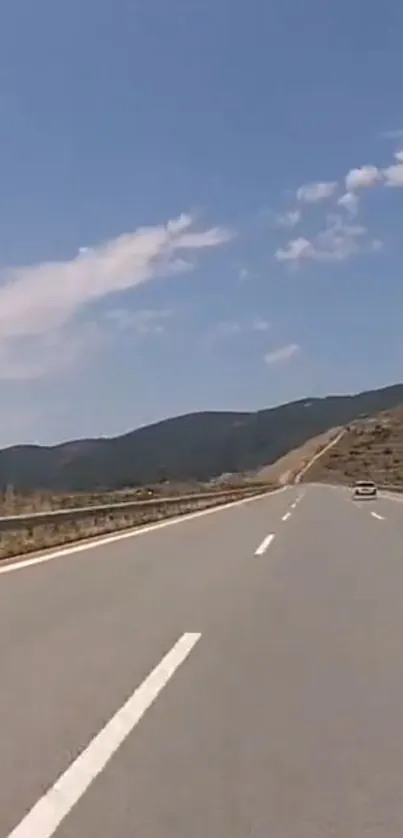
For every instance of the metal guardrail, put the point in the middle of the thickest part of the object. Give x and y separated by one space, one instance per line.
13 523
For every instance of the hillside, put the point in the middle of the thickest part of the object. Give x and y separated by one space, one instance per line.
371 448
197 446
285 469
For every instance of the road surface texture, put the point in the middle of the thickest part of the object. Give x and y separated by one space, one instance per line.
239 673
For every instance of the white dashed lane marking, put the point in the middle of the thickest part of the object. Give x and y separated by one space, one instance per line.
21 564
264 545
48 813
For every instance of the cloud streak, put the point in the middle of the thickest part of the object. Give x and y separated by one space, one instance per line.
312 193
295 250
142 322
288 219
335 243
38 298
282 354
227 329
40 303
350 203
392 135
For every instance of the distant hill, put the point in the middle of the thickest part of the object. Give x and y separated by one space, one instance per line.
371 449
197 446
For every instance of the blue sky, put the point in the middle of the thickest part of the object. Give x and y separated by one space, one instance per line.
201 207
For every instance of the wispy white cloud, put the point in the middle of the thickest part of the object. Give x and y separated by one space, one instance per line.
392 135
312 193
288 219
282 354
394 175
141 322
339 240
245 274
363 177
232 328
375 246
294 251
40 302
37 298
260 326
335 243
350 202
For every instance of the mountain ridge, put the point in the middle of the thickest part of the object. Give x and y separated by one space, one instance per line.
191 446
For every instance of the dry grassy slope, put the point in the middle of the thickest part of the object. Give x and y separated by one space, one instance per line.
371 449
15 503
287 467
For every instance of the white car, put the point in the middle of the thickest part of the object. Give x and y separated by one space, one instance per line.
365 489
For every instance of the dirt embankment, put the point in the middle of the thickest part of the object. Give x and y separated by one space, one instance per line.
372 449
286 468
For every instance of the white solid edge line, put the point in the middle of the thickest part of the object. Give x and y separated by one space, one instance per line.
48 813
379 517
17 564
286 516
264 545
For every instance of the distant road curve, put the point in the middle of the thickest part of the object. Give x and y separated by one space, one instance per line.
318 455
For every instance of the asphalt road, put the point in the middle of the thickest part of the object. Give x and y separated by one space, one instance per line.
273 635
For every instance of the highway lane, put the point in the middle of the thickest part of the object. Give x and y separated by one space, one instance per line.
285 718
386 506
390 506
78 633
287 721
